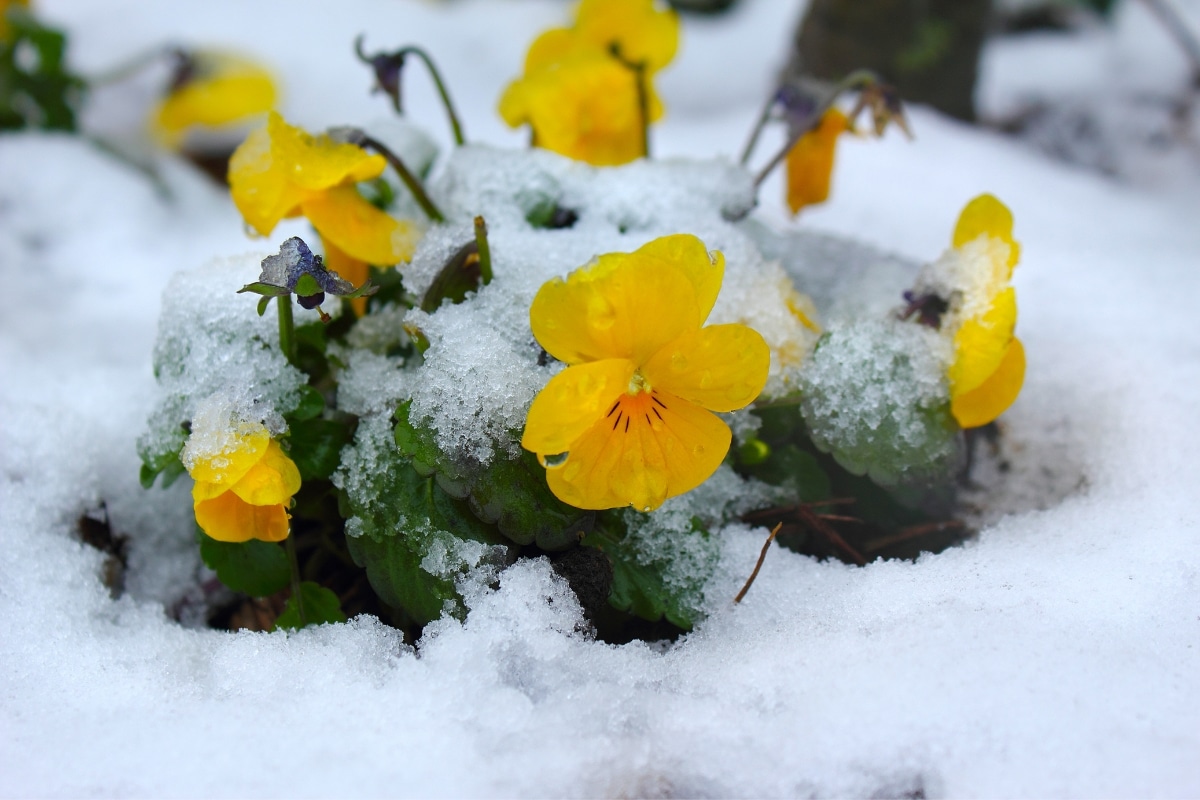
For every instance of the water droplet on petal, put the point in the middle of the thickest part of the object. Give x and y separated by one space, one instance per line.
679 362
555 460
698 450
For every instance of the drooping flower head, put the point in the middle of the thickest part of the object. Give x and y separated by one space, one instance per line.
281 171
973 302
212 89
295 270
586 88
810 161
244 480
629 421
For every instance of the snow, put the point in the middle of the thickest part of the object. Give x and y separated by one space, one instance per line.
1056 655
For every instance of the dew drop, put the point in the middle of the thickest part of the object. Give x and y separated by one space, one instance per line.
698 450
706 380
679 362
556 460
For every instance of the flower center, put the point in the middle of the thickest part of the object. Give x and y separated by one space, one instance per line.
638 384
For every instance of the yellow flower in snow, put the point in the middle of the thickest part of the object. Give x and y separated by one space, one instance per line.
243 486
810 161
988 366
586 87
629 421
211 90
281 171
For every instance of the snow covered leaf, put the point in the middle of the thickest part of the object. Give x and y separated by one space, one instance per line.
316 446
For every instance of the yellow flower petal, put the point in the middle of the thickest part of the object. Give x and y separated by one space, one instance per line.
272 481
552 46
626 305
314 163
991 398
259 184
228 518
703 269
245 448
572 402
641 33
987 216
584 106
361 230
721 367
657 446
980 344
810 162
233 89
346 266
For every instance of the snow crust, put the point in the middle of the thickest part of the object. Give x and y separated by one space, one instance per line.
1056 655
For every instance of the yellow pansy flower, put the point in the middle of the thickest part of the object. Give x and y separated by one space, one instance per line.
629 421
212 89
584 86
584 107
244 487
281 171
988 367
810 161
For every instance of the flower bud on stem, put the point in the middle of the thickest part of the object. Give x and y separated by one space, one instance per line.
388 67
484 250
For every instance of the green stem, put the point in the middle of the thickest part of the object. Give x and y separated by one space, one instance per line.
455 126
638 68
287 327
297 595
485 251
859 79
410 180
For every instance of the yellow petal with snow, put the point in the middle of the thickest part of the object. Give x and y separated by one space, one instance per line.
259 184
990 399
315 163
572 402
272 481
810 162
228 518
656 446
584 107
980 343
226 467
236 90
625 305
342 216
721 367
704 270
987 216
639 32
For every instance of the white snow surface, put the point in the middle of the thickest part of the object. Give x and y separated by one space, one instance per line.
1056 655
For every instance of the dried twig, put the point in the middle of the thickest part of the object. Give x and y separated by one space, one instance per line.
761 558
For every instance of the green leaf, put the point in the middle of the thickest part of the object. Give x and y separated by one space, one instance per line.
262 305
316 446
312 403
460 275
36 89
167 464
400 520
307 286
513 494
266 290
256 568
320 606
650 587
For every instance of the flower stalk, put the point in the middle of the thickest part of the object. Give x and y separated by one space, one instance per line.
387 68
287 327
359 137
484 251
